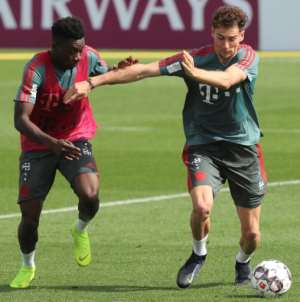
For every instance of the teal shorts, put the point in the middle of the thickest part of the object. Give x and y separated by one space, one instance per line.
38 169
242 166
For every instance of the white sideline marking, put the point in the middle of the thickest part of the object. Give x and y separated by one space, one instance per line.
146 199
289 131
127 129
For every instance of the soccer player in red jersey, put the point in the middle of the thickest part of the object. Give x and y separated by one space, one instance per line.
221 129
55 136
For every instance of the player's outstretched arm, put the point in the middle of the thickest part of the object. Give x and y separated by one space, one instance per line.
222 79
118 76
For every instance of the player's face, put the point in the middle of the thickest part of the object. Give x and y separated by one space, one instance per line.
68 52
227 41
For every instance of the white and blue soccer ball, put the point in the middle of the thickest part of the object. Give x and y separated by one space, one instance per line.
271 278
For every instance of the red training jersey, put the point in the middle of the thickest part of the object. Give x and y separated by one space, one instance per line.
42 86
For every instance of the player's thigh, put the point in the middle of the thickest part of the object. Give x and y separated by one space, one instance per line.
202 170
36 175
204 177
202 198
82 173
86 185
246 176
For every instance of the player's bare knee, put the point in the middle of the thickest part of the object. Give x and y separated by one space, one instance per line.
88 208
29 223
202 211
90 195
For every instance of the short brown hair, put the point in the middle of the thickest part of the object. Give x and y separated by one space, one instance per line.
228 16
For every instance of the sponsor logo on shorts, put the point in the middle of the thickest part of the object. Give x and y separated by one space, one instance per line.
86 151
25 171
26 166
196 161
261 185
200 175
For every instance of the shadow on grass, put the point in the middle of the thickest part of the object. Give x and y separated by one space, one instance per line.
130 288
5 288
212 284
254 296
110 288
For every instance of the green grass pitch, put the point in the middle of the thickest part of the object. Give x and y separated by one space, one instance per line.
138 248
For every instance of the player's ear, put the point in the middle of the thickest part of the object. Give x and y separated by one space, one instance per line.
212 32
54 44
242 35
57 42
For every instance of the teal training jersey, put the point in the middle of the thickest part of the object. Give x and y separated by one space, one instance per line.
211 114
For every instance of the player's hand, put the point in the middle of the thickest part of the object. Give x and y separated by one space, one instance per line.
77 92
126 62
188 64
66 148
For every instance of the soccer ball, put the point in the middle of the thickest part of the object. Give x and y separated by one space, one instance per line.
271 278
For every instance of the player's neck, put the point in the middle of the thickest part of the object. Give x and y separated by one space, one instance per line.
225 61
55 60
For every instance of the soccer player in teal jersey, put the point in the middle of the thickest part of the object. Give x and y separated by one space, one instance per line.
221 129
55 136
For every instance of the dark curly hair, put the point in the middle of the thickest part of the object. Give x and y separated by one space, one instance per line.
228 16
69 28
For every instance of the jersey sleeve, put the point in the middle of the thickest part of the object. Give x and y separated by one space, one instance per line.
172 66
32 80
248 61
96 64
